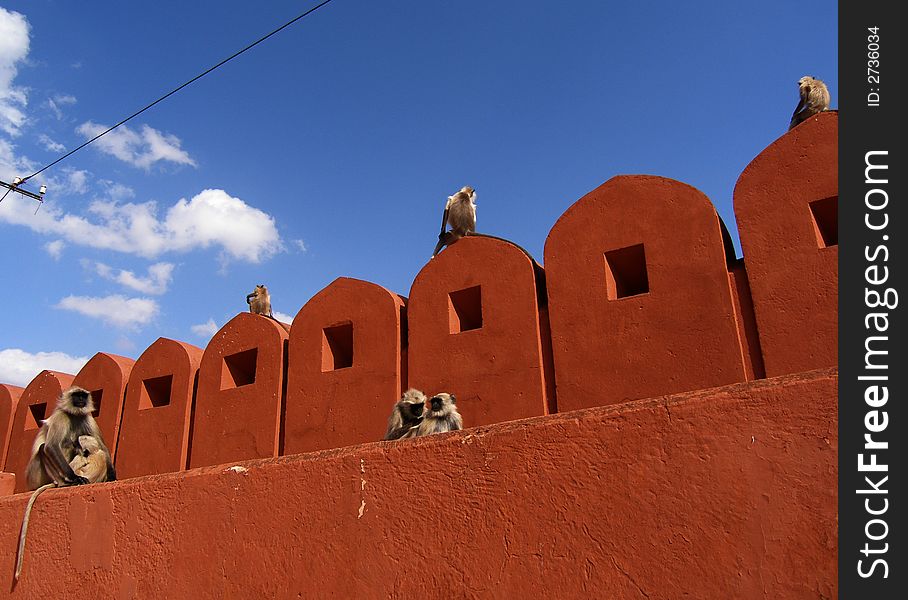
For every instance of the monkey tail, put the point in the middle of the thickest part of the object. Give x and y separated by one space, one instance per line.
20 554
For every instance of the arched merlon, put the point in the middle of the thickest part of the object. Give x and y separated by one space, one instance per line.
37 402
105 376
786 205
157 411
474 321
345 368
721 493
9 399
239 402
640 300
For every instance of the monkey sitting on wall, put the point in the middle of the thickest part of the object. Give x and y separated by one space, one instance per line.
441 416
68 450
814 99
460 212
57 442
406 415
259 301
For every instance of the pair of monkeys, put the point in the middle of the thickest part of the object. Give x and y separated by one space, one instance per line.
68 450
409 419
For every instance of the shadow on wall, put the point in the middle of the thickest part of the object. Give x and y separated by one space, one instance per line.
639 298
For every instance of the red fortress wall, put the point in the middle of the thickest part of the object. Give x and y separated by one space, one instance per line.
621 439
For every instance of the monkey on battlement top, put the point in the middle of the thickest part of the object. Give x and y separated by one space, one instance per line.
814 98
460 213
259 301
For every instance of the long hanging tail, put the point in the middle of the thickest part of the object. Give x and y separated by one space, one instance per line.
20 554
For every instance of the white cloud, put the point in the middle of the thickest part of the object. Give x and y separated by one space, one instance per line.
14 42
300 245
49 144
159 277
205 330
142 149
283 317
116 310
60 100
212 218
18 367
55 248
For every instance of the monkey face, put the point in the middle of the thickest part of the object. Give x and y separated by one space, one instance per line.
441 405
414 409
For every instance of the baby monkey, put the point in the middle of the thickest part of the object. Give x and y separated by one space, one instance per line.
90 461
441 416
259 301
460 213
407 414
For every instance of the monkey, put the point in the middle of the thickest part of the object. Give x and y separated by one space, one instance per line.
90 462
460 213
57 440
441 416
814 99
406 415
259 301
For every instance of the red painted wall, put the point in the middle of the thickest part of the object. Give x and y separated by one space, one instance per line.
241 390
474 319
713 492
722 493
345 366
9 399
784 200
639 296
157 411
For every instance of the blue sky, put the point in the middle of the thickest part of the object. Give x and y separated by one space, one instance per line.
329 150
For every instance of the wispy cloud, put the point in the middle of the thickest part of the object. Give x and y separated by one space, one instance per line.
116 310
212 218
57 102
14 43
205 330
156 282
283 317
49 144
55 248
300 245
18 367
141 149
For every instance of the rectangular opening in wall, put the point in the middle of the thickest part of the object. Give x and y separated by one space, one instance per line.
35 415
337 347
825 215
625 272
465 309
96 396
239 369
155 392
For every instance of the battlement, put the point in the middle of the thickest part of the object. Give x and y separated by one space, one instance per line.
647 416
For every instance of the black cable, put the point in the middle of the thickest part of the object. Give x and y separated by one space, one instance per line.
174 91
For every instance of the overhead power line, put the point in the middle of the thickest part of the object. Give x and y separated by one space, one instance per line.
177 89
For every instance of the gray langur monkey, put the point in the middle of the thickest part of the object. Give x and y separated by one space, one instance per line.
814 99
259 301
441 416
57 442
70 432
407 414
460 213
